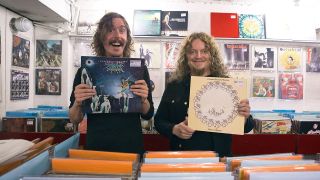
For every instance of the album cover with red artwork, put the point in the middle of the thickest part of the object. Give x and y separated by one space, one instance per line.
224 25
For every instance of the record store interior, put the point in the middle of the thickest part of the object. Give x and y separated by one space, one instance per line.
159 89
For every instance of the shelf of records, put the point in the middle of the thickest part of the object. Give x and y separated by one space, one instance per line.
157 23
272 122
45 160
43 118
271 67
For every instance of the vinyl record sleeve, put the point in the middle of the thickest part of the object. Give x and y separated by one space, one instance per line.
224 25
252 26
147 23
214 104
112 78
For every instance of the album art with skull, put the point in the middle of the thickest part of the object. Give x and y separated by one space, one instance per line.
213 104
111 78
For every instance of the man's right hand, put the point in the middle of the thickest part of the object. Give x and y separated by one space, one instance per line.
83 92
182 130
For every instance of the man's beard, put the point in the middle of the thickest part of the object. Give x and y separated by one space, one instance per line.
196 72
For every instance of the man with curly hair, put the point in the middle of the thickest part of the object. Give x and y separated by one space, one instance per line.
120 132
199 56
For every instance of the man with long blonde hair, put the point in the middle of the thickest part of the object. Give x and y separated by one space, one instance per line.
199 56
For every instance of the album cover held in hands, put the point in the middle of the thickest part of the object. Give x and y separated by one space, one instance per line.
111 78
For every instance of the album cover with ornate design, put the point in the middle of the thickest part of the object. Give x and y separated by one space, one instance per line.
111 78
252 26
213 104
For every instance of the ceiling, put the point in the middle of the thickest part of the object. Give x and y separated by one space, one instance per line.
33 10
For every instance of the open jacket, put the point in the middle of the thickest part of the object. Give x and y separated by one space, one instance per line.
173 109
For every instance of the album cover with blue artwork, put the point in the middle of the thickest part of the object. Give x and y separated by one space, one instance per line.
111 78
147 23
252 26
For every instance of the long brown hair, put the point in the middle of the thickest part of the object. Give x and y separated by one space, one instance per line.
105 26
217 68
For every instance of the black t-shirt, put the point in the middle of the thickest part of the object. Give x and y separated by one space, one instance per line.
118 132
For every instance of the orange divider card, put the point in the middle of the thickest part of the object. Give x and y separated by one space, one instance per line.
102 155
179 154
89 166
245 171
205 167
235 163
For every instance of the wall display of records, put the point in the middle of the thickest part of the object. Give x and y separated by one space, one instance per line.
150 51
289 59
48 53
20 52
264 57
252 26
237 56
147 23
48 82
313 60
174 23
88 20
19 83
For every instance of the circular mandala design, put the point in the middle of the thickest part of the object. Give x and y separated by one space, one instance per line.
216 104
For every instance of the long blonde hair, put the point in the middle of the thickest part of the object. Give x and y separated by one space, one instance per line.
217 68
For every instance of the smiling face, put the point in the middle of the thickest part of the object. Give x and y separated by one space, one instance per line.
199 58
116 39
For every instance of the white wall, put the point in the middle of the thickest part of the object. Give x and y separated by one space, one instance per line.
54 100
16 104
2 65
284 20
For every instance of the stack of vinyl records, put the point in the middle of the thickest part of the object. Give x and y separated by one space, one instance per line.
21 121
271 123
235 162
183 165
293 171
40 119
306 123
86 163
56 121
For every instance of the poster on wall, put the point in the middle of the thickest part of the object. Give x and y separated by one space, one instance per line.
291 86
150 51
289 59
313 60
171 53
48 53
252 26
263 87
237 56
48 82
264 57
88 20
174 23
147 23
20 52
19 85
